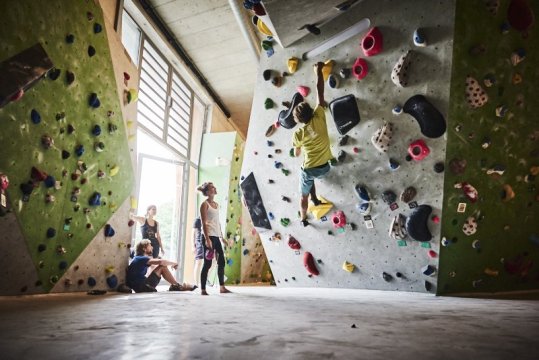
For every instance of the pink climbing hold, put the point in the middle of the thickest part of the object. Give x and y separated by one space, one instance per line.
303 90
432 254
470 192
435 219
372 43
360 68
338 219
418 150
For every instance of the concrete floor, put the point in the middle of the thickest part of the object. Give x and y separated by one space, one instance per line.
267 323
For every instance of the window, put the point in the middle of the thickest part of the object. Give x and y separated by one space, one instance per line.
131 36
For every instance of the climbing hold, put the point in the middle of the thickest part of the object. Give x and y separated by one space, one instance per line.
428 285
285 198
97 28
277 164
520 16
489 80
51 233
345 113
132 95
267 46
470 191
338 219
91 282
399 74
417 223
430 120
268 103
435 219
91 51
54 73
457 166
356 150
389 197
360 68
263 28
35 116
364 208
492 6
501 111
293 243
419 38
372 42
70 38
47 141
326 69
267 74
362 193
41 247
308 262
53 279
476 244
387 277
475 95
99 146
271 130
109 231
470 226
397 229
343 140
49 181
439 167
347 266
393 164
70 77
112 281
93 101
341 156
96 130
496 171
60 250
516 79
432 254
397 110
292 64
114 170
303 90
285 222
382 137
428 270
50 198
333 81
491 272
286 117
408 194
507 193
245 251
418 150
344 73
95 199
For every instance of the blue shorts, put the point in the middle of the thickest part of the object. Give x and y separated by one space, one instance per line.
306 180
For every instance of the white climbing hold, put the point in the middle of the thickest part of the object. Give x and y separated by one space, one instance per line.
382 137
475 95
399 74
470 226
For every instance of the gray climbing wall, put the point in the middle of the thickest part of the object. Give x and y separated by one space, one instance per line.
372 250
40 259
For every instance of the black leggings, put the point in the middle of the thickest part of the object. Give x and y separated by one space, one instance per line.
207 263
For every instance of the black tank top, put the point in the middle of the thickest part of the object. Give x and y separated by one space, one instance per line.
148 232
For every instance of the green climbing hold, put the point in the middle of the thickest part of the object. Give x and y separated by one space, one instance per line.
268 104
285 172
285 221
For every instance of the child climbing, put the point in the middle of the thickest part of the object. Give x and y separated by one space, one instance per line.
312 138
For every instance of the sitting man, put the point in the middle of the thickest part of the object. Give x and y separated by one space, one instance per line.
313 139
136 272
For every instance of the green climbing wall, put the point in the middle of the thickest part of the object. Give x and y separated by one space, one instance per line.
501 255
61 107
220 163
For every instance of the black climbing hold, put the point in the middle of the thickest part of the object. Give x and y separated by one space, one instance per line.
34 115
353 326
389 197
62 265
79 150
93 101
70 77
343 140
91 281
312 29
416 223
70 38
109 231
341 156
439 167
345 113
54 73
70 129
266 75
428 285
91 51
41 247
51 233
97 28
286 117
387 277
431 121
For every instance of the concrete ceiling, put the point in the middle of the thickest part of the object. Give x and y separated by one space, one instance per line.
211 36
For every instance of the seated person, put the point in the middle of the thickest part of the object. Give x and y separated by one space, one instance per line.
136 272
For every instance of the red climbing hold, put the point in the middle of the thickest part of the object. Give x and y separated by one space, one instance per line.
372 43
293 243
520 16
308 262
338 219
360 68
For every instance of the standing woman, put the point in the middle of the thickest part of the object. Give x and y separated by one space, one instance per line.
212 235
198 250
150 229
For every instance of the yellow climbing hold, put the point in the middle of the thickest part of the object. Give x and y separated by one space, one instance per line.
134 203
130 124
347 266
491 272
327 69
114 170
320 210
263 28
132 95
109 269
131 137
292 64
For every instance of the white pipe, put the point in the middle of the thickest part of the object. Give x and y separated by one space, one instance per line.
246 28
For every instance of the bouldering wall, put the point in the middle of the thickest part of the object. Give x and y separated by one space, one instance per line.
362 253
491 203
65 152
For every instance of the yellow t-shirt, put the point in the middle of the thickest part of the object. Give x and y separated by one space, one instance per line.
313 139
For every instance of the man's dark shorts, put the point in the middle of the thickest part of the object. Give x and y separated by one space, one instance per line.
149 284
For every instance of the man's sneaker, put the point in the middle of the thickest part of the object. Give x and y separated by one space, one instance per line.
362 193
175 287
364 208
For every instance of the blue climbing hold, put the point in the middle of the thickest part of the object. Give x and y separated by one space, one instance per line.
51 233
95 199
79 150
34 115
91 282
49 181
112 281
97 28
362 193
419 38
62 265
93 101
109 231
96 131
393 164
271 216
229 262
245 251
